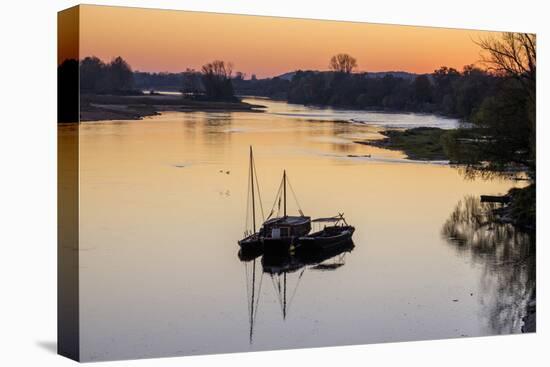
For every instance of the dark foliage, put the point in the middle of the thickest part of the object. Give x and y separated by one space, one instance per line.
276 88
446 91
503 110
98 77
216 81
67 91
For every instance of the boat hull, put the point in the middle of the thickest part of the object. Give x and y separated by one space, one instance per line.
251 243
281 234
246 255
322 241
279 245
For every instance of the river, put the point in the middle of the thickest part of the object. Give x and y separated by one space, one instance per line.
163 204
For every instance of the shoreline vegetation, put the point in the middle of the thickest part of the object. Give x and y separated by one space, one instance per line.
419 143
431 144
97 107
108 91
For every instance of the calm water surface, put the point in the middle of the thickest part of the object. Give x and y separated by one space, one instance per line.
163 203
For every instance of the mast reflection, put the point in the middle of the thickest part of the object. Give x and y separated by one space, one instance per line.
280 268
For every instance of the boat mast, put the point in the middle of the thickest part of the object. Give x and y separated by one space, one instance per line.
252 185
284 190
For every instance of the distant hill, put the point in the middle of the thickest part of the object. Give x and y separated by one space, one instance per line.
286 76
396 74
373 74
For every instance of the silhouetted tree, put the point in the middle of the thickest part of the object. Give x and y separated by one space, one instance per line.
422 89
514 55
240 75
191 82
342 63
505 119
444 82
98 77
92 72
120 75
216 78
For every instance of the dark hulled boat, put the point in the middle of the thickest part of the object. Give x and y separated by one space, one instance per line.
339 232
251 243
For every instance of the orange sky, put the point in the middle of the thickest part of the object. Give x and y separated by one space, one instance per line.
165 40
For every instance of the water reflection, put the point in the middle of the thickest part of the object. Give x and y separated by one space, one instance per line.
507 257
285 272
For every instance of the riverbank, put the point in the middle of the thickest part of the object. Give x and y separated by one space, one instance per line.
95 107
420 143
427 144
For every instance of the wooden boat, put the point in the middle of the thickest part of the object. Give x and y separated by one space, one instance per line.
280 234
249 254
252 242
337 233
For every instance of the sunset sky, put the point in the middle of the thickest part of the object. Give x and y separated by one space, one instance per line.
164 40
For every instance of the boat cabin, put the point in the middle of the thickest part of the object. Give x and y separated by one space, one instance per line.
284 227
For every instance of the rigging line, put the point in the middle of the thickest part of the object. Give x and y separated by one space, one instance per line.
273 207
294 195
280 196
275 202
258 188
296 288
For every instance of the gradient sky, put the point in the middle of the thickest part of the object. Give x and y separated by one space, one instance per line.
165 40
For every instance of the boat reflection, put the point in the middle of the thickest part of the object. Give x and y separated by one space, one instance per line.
507 257
280 268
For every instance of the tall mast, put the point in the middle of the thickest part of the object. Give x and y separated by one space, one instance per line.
252 185
284 190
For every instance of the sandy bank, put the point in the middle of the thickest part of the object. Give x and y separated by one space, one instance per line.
111 107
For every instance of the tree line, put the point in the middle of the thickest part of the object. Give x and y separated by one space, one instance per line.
446 91
504 133
97 76
212 82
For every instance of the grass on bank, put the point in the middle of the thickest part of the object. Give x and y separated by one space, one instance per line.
420 143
